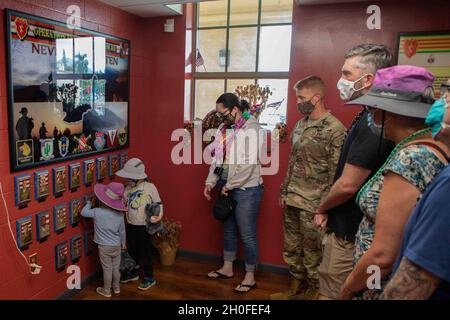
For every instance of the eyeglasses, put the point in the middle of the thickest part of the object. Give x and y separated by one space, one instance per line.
445 89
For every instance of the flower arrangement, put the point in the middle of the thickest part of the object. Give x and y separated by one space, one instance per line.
256 96
168 241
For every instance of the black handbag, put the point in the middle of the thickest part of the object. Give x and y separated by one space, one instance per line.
223 207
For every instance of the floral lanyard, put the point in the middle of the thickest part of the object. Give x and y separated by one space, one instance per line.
220 148
391 155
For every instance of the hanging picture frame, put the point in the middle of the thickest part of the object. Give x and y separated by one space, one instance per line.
41 185
88 242
74 176
24 229
61 255
59 181
43 225
88 172
75 208
113 165
22 190
76 248
60 217
102 169
123 159
57 92
426 49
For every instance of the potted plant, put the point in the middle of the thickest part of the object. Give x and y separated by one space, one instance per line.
167 242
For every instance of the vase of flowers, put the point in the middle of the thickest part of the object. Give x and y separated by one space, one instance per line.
256 96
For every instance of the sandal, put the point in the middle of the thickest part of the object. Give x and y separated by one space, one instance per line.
241 285
218 275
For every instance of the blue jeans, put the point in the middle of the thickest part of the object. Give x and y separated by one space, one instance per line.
243 219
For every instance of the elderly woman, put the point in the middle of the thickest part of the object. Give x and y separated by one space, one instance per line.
399 102
236 170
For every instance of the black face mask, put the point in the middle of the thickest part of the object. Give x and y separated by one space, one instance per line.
229 120
306 107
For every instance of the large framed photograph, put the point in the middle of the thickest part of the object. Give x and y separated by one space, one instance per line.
68 91
430 50
61 255
24 232
41 185
60 217
22 190
43 225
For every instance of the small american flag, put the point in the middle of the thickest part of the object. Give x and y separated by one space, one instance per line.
275 105
199 61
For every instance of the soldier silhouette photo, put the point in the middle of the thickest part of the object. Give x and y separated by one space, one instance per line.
43 131
24 125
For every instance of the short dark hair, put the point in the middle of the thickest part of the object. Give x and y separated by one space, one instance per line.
373 56
230 100
311 82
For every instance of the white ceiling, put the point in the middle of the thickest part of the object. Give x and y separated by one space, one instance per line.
150 8
161 8
316 2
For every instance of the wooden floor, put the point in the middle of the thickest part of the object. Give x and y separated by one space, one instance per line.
186 279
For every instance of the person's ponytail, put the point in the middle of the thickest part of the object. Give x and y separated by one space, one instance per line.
245 106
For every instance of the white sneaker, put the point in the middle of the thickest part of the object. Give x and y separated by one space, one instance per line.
117 291
102 291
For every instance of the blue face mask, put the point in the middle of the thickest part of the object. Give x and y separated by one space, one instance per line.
375 128
436 116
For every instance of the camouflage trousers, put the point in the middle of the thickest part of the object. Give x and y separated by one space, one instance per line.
302 245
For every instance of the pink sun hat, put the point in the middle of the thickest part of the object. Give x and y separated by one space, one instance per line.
111 195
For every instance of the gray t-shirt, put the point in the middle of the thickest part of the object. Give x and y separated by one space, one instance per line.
109 225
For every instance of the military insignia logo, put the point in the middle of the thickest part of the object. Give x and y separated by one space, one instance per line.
111 138
63 145
123 137
47 149
83 144
21 27
100 141
24 152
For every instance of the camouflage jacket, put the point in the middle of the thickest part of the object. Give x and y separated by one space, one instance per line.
316 146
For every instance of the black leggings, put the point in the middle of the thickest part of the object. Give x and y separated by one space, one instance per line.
140 248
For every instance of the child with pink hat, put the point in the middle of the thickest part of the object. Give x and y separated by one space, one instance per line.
110 234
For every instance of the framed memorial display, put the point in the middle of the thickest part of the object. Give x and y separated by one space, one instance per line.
60 217
88 242
61 255
429 50
74 176
75 211
24 232
22 190
68 91
113 165
59 180
88 172
43 225
41 185
76 247
102 168
123 159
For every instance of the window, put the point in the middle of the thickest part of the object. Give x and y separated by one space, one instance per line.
235 43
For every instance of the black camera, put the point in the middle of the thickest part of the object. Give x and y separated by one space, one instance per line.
218 171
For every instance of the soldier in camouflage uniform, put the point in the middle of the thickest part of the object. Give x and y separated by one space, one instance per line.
316 145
